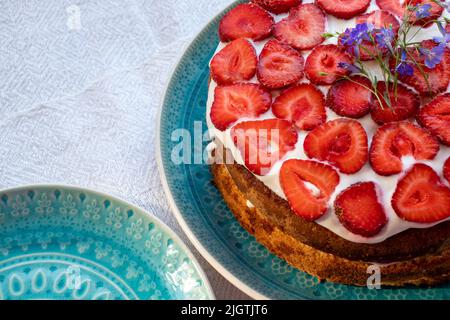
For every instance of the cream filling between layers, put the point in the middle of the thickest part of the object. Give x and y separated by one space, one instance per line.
386 185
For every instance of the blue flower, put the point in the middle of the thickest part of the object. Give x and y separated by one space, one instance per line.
422 11
384 38
350 67
357 34
434 56
353 37
403 68
445 36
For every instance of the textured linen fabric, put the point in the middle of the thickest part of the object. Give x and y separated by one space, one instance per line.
80 88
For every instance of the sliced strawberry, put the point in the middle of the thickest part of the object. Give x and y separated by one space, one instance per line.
279 65
322 65
350 98
402 104
394 6
435 116
234 63
437 79
446 169
246 21
303 28
344 9
303 104
263 142
236 101
342 142
394 140
400 8
421 196
278 6
359 209
379 19
308 203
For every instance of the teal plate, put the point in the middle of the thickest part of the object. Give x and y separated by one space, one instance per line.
205 217
68 243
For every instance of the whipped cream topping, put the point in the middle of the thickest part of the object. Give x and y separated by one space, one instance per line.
386 185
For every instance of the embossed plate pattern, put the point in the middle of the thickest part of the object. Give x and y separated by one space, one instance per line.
60 242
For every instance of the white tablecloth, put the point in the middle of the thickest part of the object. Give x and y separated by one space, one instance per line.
80 87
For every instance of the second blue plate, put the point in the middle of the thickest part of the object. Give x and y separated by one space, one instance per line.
68 243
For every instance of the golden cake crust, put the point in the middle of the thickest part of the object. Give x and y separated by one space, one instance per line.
416 256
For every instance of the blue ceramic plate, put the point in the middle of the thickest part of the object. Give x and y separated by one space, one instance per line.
60 242
205 217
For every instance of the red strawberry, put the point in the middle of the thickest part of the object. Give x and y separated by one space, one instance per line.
404 104
279 65
379 19
350 98
438 77
435 116
421 196
394 6
322 65
305 202
344 9
234 63
446 169
399 8
303 28
342 142
278 6
236 101
246 21
303 104
263 142
359 209
394 140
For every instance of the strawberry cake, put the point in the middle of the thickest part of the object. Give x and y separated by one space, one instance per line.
332 170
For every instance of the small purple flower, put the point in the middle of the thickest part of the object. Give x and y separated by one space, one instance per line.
445 39
384 38
350 67
346 38
422 11
403 68
356 35
353 37
434 56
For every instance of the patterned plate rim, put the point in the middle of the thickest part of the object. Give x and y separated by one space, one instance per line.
247 289
149 216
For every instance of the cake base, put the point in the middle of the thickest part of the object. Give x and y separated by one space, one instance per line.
426 269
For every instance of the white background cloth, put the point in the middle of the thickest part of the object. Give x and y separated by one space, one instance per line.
80 87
